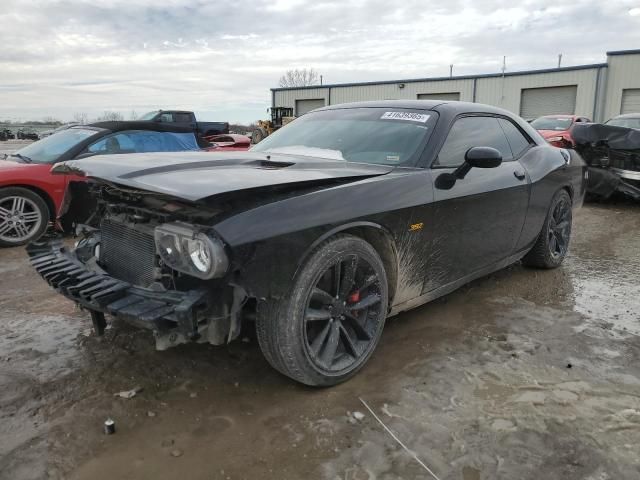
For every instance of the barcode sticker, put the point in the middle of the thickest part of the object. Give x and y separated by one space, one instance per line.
407 116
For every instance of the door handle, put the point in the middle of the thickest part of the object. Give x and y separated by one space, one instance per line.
519 174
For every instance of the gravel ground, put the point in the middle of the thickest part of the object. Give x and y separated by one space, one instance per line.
524 374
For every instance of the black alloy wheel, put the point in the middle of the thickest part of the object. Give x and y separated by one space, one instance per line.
326 329
559 228
552 244
342 314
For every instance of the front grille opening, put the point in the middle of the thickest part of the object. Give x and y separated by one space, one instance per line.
127 253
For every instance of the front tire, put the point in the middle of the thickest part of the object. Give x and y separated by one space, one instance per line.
328 327
24 216
552 244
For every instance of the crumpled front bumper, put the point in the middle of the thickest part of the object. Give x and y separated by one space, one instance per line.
95 290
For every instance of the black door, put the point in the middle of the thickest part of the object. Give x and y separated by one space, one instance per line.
478 221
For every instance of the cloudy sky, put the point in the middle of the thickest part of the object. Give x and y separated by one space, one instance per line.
221 58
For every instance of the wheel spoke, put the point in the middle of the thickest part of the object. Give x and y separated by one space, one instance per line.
370 280
337 274
22 230
321 296
348 342
553 243
5 228
18 204
329 352
315 314
349 277
365 302
317 343
4 213
30 217
361 332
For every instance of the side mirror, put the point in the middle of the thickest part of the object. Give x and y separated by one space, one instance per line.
478 157
483 157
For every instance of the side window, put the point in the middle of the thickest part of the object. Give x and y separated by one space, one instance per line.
112 144
183 117
166 117
468 132
140 141
518 142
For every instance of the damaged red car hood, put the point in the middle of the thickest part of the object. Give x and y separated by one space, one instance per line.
194 176
552 133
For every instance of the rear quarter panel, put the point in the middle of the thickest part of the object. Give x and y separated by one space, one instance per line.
549 172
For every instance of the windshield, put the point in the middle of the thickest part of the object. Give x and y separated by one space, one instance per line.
148 115
50 148
628 122
388 136
550 123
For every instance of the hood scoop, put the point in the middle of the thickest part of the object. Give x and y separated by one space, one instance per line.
269 164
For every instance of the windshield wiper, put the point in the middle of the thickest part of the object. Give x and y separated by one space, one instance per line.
24 158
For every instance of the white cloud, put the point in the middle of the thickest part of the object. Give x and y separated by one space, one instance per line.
221 59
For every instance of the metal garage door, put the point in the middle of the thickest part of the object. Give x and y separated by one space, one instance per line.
630 100
439 96
304 106
536 102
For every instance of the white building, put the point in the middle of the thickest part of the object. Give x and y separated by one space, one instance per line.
599 91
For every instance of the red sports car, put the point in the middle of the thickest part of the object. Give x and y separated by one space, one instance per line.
556 129
31 197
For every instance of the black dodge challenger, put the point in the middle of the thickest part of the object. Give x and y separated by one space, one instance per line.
348 215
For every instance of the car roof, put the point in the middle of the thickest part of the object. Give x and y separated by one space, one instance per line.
118 126
436 105
628 115
561 116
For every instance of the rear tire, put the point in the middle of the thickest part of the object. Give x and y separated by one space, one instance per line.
24 216
552 244
328 327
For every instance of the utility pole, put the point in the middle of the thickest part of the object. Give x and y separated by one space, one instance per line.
320 80
559 60
504 69
451 71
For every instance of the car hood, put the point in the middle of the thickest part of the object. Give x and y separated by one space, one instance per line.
552 133
9 166
195 176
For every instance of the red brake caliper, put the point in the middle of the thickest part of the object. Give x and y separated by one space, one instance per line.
354 297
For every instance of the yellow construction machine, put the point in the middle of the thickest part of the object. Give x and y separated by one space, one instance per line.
280 116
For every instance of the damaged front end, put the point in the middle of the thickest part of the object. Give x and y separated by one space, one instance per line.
151 261
613 156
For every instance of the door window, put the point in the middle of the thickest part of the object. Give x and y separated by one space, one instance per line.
518 142
468 132
137 141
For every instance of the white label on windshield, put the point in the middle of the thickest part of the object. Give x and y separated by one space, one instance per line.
412 117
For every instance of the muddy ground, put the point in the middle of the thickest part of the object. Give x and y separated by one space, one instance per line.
524 374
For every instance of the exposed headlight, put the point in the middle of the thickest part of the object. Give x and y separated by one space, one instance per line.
183 248
555 139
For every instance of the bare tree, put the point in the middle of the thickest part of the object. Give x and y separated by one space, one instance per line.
133 115
110 117
51 121
299 78
81 118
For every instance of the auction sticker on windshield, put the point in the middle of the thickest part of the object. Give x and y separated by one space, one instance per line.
410 116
